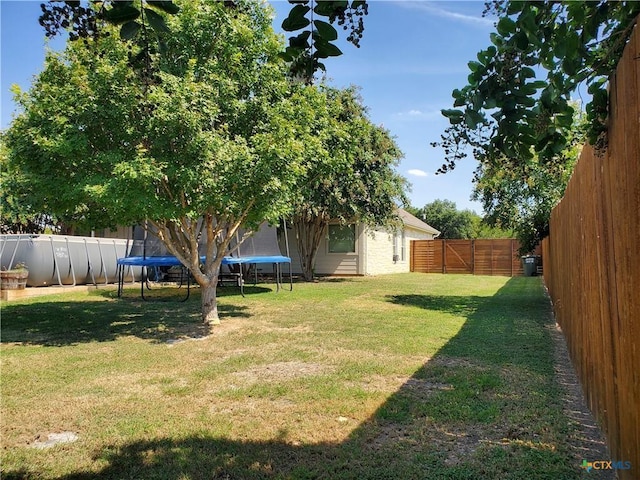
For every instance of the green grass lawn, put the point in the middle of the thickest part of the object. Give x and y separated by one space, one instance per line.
406 376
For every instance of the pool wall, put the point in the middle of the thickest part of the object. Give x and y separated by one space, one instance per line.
65 260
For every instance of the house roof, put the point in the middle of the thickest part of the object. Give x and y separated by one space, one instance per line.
414 222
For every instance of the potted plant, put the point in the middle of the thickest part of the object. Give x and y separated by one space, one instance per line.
14 278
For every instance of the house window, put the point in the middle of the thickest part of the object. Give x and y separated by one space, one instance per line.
399 251
342 238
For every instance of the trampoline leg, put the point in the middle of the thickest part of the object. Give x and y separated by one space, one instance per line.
143 280
120 280
290 278
188 283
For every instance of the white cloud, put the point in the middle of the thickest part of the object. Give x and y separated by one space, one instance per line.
416 114
433 9
417 172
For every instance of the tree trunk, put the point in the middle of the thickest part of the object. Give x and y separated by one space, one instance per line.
210 303
309 233
182 240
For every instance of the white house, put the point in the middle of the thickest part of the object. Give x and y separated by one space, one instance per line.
355 249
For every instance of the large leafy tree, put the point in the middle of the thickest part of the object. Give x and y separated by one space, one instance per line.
350 171
205 145
310 21
522 198
515 115
505 112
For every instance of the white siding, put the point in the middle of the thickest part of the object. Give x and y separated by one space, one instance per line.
373 256
379 252
330 263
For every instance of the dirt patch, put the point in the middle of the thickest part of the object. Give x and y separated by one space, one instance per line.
458 446
172 341
280 371
423 387
381 383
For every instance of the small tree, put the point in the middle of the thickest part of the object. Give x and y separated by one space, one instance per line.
445 216
350 172
204 145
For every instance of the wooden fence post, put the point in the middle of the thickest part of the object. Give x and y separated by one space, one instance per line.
444 256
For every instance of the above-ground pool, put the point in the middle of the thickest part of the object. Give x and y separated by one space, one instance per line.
63 260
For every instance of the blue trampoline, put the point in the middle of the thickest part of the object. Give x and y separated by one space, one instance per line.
147 251
261 247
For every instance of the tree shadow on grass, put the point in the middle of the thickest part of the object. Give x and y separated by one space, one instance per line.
503 328
158 320
484 407
209 458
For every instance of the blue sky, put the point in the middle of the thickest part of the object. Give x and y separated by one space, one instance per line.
412 55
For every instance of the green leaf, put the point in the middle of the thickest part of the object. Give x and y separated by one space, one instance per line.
452 113
300 41
156 21
326 49
326 30
490 103
129 30
565 120
515 6
522 41
495 39
538 84
482 57
506 26
121 14
527 90
527 72
166 6
324 8
296 19
570 66
475 66
572 43
473 118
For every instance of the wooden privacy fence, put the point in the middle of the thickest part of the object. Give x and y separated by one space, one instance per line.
592 268
479 257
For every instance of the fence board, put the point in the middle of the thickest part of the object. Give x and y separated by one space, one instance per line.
592 268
